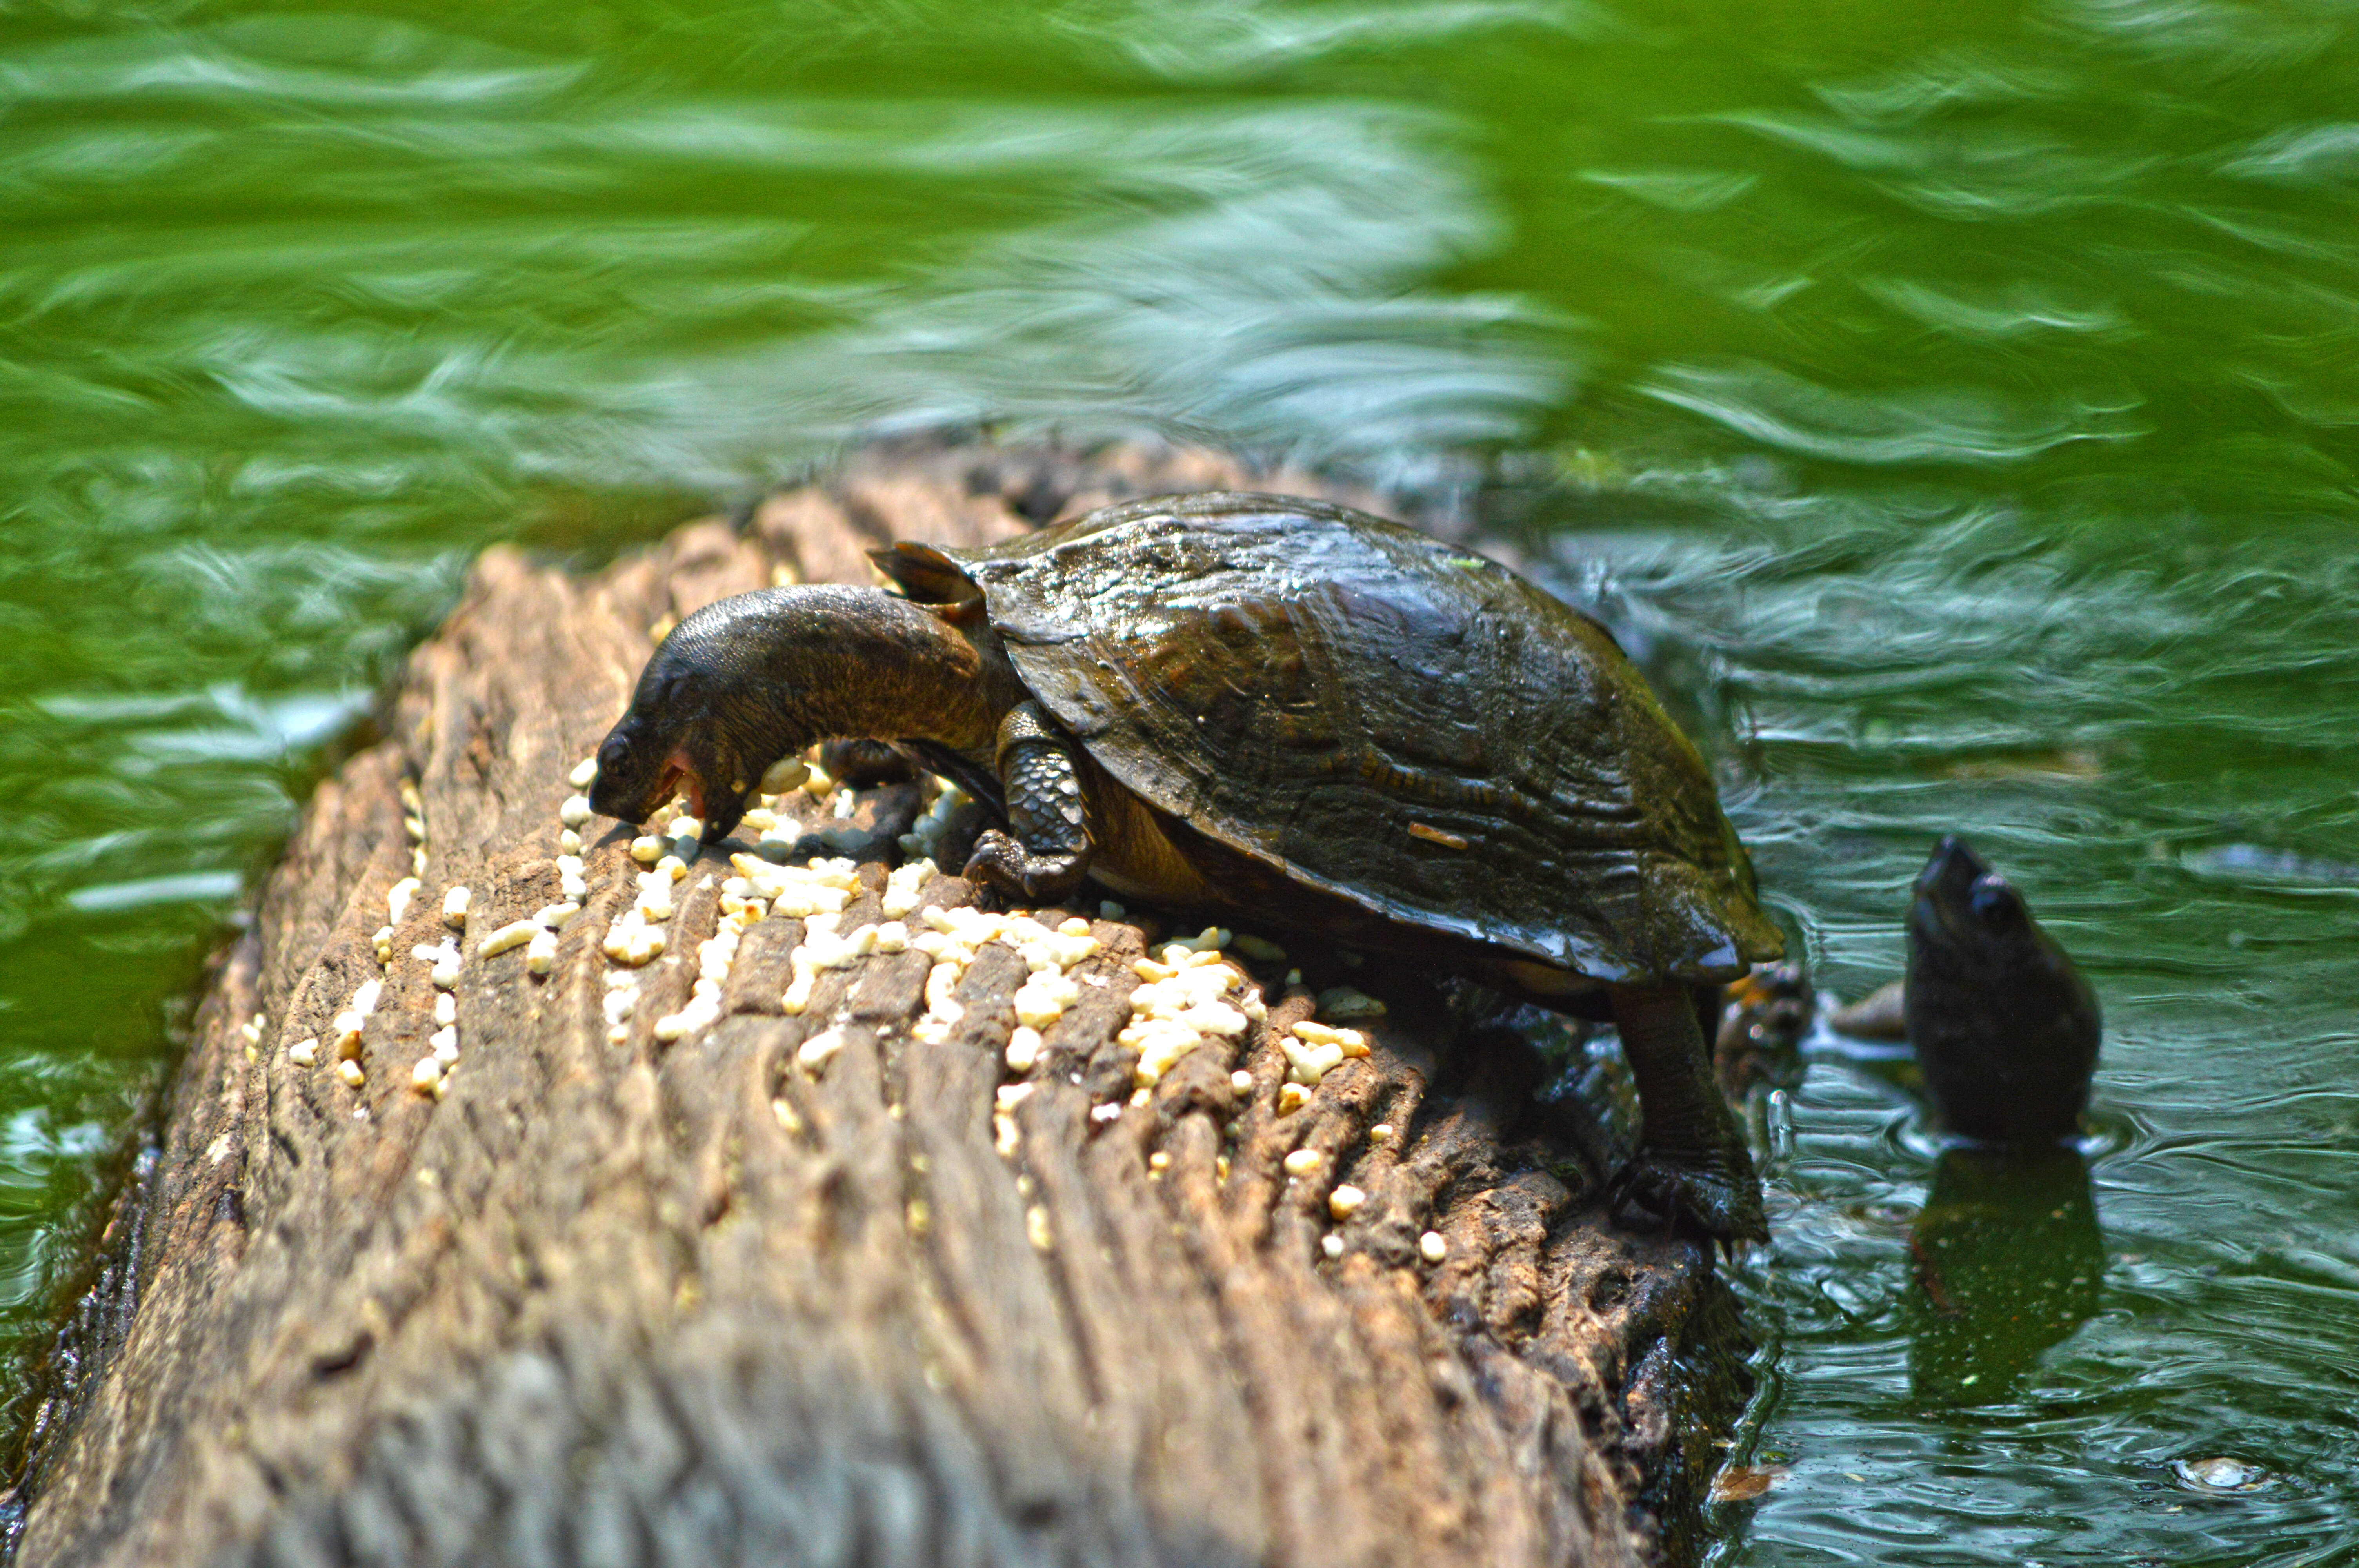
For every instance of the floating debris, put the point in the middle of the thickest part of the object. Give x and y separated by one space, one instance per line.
1743 1483
2219 1474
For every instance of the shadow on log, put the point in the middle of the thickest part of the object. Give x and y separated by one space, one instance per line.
634 1301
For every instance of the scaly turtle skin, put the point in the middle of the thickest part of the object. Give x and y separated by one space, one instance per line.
2003 1026
1300 712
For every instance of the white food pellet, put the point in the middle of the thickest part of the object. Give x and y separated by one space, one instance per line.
397 896
568 842
1345 1002
515 934
383 943
702 1012
425 1078
817 1050
1023 1049
647 849
1036 1227
350 1071
1433 1247
585 773
540 952
1292 1098
574 812
303 1053
554 915
901 888
454 908
446 966
1110 1111
445 1044
1382 1133
1211 940
1314 1050
1302 1161
785 774
1241 1081
1345 1201
1332 1245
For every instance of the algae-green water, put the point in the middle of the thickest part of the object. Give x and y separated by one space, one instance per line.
1959 402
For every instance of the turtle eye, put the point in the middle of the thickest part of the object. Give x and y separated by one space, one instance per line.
1997 907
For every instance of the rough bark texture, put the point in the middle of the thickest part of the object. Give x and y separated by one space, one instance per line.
692 1304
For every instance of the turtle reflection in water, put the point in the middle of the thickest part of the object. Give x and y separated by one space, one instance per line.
1289 710
2008 1260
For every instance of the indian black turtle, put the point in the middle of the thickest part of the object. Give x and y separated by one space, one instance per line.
1287 708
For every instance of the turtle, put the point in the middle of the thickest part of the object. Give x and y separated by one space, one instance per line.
1288 710
2002 1024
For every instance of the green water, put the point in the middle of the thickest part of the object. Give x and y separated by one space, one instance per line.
1961 401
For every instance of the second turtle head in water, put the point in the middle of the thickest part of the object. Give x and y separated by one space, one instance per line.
2003 1027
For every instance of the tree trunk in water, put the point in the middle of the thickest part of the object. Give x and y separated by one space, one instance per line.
697 1301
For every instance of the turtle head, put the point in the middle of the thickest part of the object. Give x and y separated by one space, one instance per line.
1967 920
705 721
749 679
1959 900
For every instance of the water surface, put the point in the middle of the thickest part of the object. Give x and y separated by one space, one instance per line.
1957 402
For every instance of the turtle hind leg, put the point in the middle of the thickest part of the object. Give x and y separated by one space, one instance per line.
1048 853
1692 1171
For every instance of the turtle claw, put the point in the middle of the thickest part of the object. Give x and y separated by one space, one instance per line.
1654 1193
1018 875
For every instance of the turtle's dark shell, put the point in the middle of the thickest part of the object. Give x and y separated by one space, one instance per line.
1382 717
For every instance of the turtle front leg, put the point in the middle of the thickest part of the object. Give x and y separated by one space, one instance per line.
1692 1169
1049 852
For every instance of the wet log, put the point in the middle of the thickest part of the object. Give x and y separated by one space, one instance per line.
696 1302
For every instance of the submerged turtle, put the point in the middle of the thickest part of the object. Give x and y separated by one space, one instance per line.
2003 1025
1294 710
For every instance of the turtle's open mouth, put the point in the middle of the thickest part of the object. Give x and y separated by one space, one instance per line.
678 775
